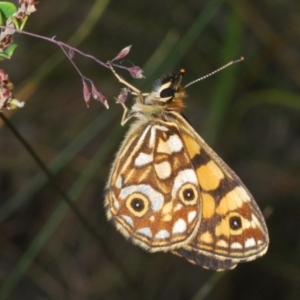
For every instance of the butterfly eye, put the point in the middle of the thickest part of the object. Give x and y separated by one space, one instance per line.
167 93
137 204
188 194
235 223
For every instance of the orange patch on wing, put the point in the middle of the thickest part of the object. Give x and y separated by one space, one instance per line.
167 208
192 147
209 176
209 206
223 228
231 201
206 238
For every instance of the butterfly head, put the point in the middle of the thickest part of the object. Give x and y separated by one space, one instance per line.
167 94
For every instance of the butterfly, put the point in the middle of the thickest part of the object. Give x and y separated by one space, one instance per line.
169 191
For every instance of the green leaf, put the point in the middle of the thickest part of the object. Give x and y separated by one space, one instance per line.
9 51
7 9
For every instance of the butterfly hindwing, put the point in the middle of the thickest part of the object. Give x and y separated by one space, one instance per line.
153 196
232 227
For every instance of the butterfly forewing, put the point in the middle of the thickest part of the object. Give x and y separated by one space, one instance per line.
153 194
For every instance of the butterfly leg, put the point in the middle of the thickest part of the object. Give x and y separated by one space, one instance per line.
134 90
127 114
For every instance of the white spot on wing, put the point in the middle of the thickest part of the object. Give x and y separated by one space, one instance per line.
183 177
236 246
157 202
175 143
179 226
159 127
156 199
172 145
145 231
162 234
250 243
127 219
191 216
143 159
163 170
118 183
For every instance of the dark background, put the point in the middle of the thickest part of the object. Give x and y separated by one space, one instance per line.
249 113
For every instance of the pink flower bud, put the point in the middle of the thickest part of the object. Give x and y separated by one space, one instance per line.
136 72
123 95
122 53
99 96
86 94
71 53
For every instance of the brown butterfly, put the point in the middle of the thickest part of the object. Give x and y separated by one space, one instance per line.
169 191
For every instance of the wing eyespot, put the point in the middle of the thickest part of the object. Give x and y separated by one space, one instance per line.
235 223
137 204
188 194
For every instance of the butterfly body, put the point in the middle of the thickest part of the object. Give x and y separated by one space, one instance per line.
168 191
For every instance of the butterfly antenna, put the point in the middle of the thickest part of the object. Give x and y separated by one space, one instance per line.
181 73
216 71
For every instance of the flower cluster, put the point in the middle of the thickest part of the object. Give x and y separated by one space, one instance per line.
26 8
6 97
15 21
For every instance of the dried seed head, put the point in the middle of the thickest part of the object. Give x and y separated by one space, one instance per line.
122 53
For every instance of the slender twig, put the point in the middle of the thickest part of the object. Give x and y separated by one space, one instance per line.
108 253
66 46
